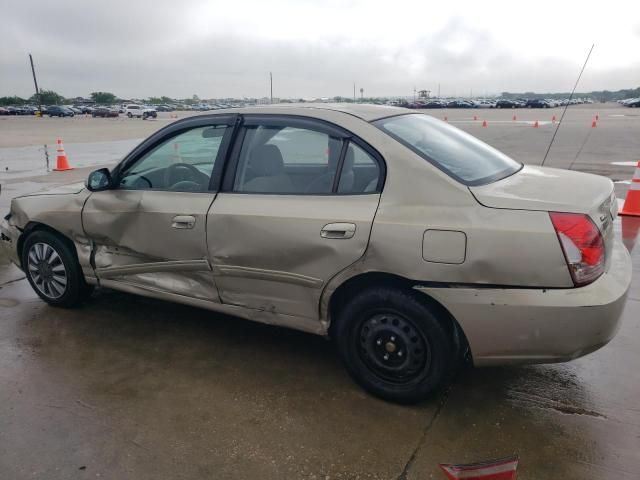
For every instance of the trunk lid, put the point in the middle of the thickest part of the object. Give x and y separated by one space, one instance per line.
547 189
555 190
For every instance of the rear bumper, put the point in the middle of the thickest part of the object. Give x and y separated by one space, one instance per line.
506 326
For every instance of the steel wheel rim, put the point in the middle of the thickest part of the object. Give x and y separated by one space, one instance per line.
391 346
46 270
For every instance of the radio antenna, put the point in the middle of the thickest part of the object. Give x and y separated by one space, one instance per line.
566 106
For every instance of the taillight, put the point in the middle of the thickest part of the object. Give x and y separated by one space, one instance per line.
582 244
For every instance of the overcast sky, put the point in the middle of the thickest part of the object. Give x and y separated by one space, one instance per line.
316 48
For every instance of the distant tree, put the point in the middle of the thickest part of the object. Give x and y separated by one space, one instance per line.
47 97
195 98
12 100
166 99
103 97
154 100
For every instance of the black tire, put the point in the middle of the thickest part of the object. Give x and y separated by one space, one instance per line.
394 345
68 293
130 115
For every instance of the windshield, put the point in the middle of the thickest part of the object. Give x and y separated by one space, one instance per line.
460 155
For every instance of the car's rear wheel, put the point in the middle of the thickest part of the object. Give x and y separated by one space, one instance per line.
53 271
130 115
394 345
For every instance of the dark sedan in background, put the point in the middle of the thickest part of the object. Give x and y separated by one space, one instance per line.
537 103
58 111
104 112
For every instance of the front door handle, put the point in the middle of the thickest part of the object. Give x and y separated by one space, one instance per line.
338 230
183 221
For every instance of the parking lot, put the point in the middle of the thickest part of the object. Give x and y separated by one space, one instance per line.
128 387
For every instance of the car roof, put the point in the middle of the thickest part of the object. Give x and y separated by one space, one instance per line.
365 112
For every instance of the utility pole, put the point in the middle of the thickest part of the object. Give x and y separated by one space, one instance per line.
271 88
438 90
35 82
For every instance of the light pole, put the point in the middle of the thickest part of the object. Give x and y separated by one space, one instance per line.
35 82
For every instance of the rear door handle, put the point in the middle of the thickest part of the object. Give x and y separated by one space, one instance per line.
338 230
183 221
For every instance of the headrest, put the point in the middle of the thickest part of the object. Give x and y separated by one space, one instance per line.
266 161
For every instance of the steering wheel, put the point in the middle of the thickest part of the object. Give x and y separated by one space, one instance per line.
182 173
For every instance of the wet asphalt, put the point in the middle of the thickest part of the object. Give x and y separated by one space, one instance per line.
130 388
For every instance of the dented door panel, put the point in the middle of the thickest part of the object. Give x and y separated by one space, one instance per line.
268 252
136 241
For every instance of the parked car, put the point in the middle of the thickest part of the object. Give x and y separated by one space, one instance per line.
4 111
633 103
140 111
537 103
507 104
484 103
495 260
460 104
104 112
59 111
84 109
18 110
434 104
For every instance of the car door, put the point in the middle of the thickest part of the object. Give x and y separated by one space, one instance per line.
150 230
297 206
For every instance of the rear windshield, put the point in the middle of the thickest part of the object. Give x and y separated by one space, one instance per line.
460 155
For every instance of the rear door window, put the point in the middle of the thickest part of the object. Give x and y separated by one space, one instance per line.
286 160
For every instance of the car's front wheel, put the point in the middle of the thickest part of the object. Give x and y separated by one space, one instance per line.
394 345
53 270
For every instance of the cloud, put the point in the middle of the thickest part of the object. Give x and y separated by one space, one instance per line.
221 49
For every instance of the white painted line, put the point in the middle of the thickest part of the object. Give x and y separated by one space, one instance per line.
624 164
623 182
616 115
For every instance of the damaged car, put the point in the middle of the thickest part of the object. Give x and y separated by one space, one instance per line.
409 243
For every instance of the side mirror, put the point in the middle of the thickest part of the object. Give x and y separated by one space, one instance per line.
99 180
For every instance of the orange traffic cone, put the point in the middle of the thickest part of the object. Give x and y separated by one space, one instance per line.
553 119
593 124
62 163
535 125
632 202
484 123
514 118
597 117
